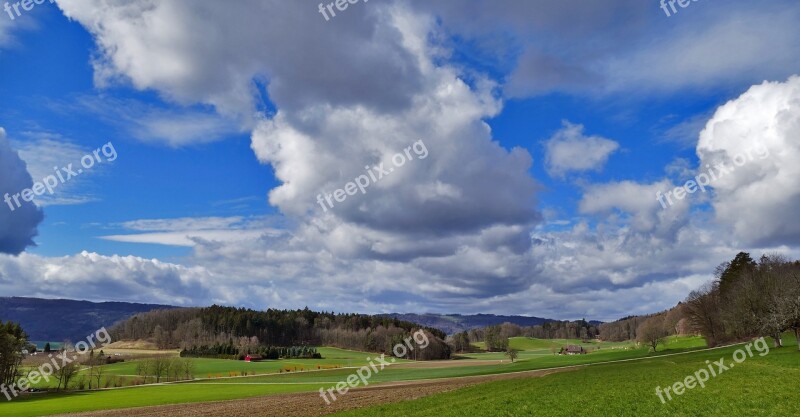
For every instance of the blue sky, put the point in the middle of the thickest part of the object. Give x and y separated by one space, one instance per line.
51 71
550 128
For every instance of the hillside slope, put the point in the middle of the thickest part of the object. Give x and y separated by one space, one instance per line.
58 320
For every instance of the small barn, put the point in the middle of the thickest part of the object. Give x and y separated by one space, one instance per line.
573 350
253 358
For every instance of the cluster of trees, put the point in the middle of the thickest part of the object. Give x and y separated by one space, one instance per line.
622 329
747 299
93 364
251 347
166 368
496 340
12 341
580 329
651 330
460 342
96 370
495 337
235 331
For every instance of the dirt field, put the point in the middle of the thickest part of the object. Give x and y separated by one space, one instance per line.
136 348
310 404
132 344
448 364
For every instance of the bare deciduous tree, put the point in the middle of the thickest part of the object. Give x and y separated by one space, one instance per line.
158 367
68 370
702 309
652 332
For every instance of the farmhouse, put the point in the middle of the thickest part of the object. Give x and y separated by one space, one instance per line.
573 350
253 358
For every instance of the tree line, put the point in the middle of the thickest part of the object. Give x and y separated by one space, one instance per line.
220 330
166 368
248 346
670 322
747 299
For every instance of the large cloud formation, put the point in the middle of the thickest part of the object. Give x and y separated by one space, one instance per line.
456 222
17 224
89 275
584 47
756 139
458 230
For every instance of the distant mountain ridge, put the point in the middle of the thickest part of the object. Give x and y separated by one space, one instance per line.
456 323
56 320
50 320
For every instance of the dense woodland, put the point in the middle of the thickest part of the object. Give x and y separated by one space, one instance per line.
748 299
226 331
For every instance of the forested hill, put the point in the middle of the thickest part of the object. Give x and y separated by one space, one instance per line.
231 331
457 323
58 320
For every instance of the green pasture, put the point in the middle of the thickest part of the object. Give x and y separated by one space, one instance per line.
759 386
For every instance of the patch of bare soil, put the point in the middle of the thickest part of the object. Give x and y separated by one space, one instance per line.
310 404
132 344
448 363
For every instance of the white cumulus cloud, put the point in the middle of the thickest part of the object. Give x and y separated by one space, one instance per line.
756 139
570 150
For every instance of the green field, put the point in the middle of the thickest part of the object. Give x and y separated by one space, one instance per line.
599 384
529 346
216 368
525 363
223 368
142 396
759 386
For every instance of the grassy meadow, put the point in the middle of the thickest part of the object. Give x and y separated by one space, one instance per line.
759 386
626 386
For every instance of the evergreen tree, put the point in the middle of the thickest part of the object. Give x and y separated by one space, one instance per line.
733 270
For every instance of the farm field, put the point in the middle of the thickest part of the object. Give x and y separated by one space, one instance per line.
218 368
244 387
530 343
224 368
525 363
626 389
529 346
